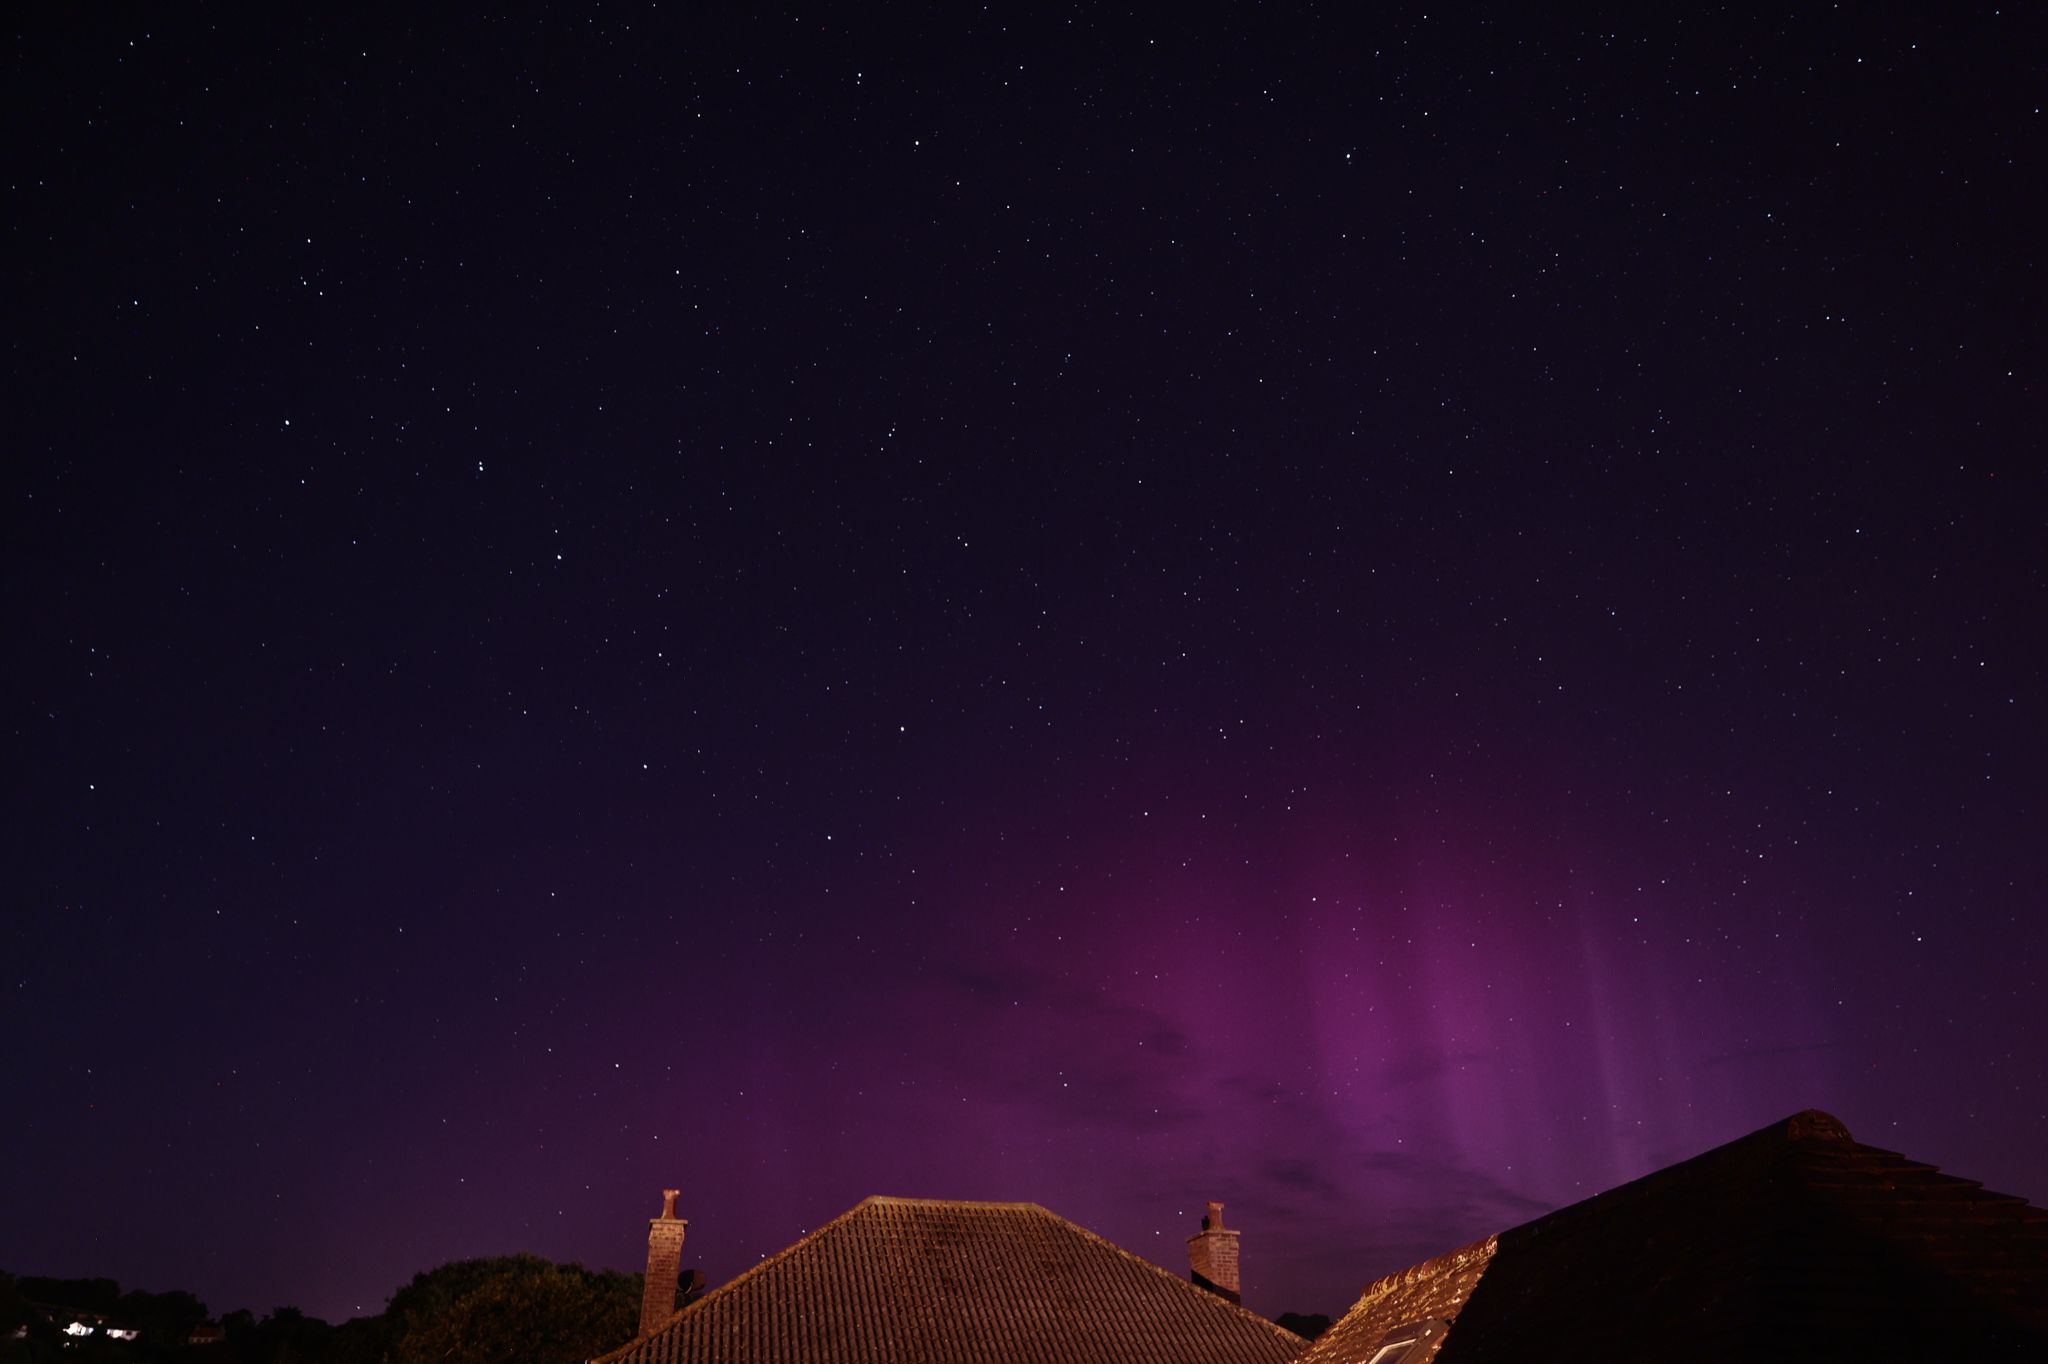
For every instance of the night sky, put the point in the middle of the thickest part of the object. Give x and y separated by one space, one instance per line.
1394 620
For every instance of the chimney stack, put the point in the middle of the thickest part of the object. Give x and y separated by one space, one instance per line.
665 1264
1212 1256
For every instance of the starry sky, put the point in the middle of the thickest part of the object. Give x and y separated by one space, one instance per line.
1391 619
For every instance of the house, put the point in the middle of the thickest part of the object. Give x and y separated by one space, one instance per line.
1794 1242
77 1323
924 1281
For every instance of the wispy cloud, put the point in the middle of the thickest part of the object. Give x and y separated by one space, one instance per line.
1069 1050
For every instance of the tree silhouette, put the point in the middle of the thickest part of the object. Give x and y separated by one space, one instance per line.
558 1314
1308 1326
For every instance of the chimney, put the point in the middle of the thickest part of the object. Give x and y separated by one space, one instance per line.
665 1264
1212 1256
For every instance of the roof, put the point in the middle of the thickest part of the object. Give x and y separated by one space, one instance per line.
1796 1238
920 1281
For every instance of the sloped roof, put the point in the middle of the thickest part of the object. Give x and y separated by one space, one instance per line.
919 1281
1794 1240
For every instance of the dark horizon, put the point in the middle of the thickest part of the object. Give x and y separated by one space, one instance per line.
690 1259
1394 624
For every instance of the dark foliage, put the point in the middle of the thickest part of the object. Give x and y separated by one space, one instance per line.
562 1314
1306 1325
518 1309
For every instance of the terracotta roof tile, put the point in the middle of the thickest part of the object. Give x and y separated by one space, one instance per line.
1795 1239
918 1281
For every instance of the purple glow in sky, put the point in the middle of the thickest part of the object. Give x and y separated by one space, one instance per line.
1393 626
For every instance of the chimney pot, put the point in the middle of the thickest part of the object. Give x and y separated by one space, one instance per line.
664 1264
1212 1256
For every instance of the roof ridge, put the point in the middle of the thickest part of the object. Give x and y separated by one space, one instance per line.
1168 1274
1811 1124
899 1200
734 1282
1789 1138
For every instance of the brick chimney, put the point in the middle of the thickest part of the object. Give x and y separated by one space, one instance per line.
665 1264
1212 1256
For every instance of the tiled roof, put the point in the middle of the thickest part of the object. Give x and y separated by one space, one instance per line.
918 1281
1794 1241
1434 1290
